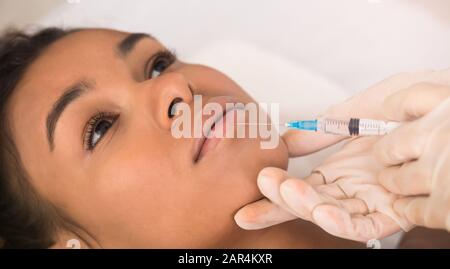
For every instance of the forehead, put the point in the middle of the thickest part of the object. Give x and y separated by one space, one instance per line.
68 58
74 55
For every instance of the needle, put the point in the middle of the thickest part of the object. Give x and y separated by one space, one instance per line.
266 124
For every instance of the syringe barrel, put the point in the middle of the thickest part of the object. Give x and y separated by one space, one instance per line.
333 126
355 126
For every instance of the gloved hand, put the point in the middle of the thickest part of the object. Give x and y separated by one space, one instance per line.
342 196
418 154
307 192
366 104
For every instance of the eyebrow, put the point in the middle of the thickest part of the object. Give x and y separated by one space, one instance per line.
69 95
128 43
75 91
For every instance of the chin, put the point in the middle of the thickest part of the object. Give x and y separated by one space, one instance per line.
253 160
276 157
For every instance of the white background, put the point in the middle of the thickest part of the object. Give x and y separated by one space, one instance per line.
354 43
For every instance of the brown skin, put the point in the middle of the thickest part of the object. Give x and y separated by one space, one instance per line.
139 187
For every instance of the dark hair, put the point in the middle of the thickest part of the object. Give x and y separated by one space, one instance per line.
25 219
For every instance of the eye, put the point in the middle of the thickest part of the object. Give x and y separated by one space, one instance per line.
162 60
97 127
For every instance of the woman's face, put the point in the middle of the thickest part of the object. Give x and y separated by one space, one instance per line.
90 120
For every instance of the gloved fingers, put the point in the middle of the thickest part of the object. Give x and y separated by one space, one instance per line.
301 143
300 197
303 198
269 182
261 214
333 190
315 179
339 222
265 213
419 211
354 206
403 144
414 102
412 208
407 142
410 178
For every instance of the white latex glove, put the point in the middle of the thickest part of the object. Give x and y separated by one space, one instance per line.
366 104
342 196
418 154
274 210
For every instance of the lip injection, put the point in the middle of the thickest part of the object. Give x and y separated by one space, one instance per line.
349 127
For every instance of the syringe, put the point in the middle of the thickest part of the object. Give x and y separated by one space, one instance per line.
352 127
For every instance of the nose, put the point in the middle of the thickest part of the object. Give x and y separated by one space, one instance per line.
164 92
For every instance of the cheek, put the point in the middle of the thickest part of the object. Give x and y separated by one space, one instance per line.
154 205
230 181
138 202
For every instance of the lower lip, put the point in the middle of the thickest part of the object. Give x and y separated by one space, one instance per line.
215 138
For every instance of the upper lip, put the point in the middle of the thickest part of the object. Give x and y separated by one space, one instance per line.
199 142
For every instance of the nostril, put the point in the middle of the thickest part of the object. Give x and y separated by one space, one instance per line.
172 107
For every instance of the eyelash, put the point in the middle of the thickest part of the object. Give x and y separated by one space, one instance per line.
164 55
94 121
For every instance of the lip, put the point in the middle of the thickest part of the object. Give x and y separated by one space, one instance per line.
206 144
